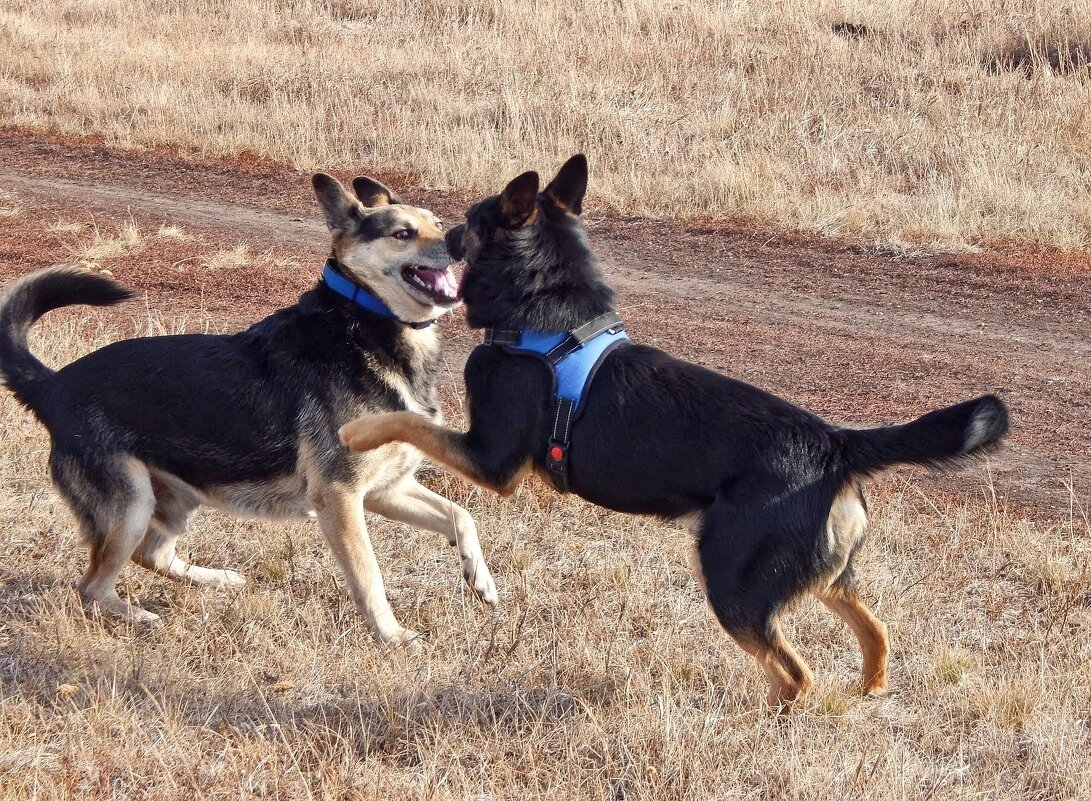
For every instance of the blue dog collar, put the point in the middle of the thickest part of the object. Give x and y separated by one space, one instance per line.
361 297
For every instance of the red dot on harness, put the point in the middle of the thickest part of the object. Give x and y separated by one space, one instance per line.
556 453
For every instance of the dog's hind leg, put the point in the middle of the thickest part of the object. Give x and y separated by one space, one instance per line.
418 506
845 529
751 569
787 674
174 504
845 602
114 504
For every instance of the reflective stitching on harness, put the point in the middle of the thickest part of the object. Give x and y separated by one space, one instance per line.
567 426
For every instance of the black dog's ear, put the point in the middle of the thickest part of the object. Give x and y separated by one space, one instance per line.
568 187
340 208
517 201
372 193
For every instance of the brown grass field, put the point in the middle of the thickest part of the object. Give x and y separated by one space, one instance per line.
947 122
940 151
603 676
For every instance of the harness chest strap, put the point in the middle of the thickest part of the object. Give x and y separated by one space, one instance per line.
573 356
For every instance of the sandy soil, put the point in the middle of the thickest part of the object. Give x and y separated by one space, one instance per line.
858 335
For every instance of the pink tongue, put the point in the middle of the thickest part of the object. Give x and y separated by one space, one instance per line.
441 282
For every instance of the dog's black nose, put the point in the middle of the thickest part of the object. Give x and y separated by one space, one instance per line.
454 242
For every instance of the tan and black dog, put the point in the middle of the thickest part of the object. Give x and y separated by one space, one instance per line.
776 489
144 431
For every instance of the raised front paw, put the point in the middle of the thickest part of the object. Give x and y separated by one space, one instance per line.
368 432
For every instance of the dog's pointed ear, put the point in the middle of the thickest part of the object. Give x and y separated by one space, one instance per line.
372 193
568 188
340 209
518 200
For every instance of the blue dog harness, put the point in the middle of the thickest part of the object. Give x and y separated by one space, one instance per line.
574 357
361 297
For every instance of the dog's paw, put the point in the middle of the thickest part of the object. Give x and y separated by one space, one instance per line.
411 641
125 612
212 577
875 688
479 579
364 433
227 580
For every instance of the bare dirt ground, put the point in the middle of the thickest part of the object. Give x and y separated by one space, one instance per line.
857 335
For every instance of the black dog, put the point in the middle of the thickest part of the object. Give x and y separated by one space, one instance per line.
776 488
147 430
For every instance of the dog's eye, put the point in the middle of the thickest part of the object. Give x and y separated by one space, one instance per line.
404 233
439 224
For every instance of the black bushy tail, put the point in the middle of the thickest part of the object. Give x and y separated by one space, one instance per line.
938 438
29 298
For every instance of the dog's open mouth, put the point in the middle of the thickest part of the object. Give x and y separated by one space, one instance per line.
440 285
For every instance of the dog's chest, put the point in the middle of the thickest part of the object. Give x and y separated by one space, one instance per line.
418 400
408 382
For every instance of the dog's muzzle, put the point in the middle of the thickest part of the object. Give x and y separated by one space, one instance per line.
453 239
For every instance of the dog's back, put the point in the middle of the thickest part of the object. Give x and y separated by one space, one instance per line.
210 409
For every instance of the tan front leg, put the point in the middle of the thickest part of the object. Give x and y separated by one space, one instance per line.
418 506
341 516
444 446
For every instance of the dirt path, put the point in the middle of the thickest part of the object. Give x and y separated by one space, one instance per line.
856 335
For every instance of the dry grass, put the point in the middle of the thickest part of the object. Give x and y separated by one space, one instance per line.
919 122
172 232
9 206
242 256
603 676
103 247
67 227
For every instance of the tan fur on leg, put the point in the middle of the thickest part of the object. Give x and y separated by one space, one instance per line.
341 515
787 674
442 445
417 506
157 553
122 530
870 632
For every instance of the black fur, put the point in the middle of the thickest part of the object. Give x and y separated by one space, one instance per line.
28 300
211 409
542 276
664 437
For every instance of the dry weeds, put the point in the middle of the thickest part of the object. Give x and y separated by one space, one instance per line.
603 676
172 232
67 227
242 256
919 122
103 247
9 205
